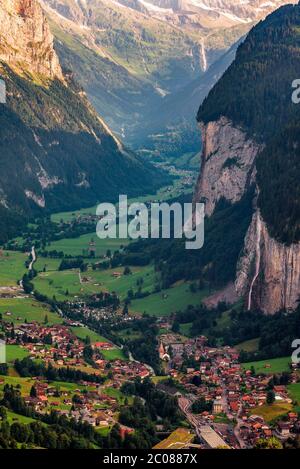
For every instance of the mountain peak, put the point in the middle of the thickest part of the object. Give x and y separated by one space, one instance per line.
26 42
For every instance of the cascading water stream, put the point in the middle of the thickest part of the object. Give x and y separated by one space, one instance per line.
257 260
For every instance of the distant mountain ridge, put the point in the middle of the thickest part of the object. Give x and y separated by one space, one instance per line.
133 57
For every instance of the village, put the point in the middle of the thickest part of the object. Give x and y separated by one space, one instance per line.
216 395
220 398
96 399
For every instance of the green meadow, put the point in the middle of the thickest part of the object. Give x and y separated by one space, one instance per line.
80 246
66 284
14 352
294 391
114 354
277 365
13 417
272 412
249 345
168 301
47 264
83 332
25 384
171 191
17 310
12 267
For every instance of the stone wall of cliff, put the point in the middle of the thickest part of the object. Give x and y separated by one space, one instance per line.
26 42
268 272
227 168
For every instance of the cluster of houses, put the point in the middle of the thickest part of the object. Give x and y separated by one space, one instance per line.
215 375
57 345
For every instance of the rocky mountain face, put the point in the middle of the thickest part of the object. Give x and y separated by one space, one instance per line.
137 58
55 151
268 272
251 140
25 38
211 13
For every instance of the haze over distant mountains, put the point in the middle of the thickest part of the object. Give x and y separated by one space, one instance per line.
133 55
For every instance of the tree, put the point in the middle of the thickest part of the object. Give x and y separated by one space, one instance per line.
270 443
33 392
127 271
3 413
270 397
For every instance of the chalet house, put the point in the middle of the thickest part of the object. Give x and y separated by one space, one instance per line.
284 428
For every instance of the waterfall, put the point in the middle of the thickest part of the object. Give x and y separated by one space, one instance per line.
203 56
257 260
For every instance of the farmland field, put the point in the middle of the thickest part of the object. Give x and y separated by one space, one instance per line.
12 267
68 281
277 365
66 284
294 392
12 417
163 194
248 345
25 383
177 440
47 263
83 332
17 310
79 246
168 301
271 412
14 352
113 354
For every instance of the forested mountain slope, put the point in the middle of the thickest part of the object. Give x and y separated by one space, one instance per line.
250 129
56 152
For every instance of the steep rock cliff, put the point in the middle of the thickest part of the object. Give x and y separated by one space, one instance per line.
25 38
268 272
251 138
227 168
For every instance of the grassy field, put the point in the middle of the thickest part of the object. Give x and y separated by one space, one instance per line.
12 267
168 301
15 351
185 329
113 354
177 440
25 383
19 309
83 332
66 284
59 283
46 263
277 365
272 412
79 246
294 391
13 417
69 216
248 345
